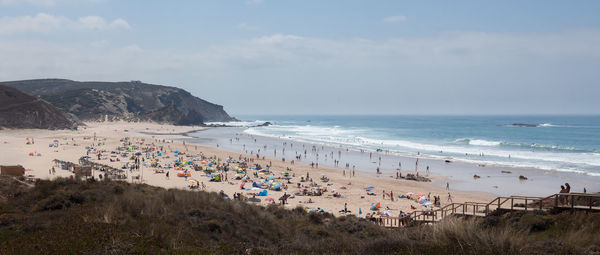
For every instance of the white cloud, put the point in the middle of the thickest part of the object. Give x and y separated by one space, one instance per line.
46 23
245 26
394 19
454 63
450 50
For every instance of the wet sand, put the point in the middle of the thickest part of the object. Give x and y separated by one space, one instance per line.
72 145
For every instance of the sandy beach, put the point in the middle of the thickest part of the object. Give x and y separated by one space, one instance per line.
109 136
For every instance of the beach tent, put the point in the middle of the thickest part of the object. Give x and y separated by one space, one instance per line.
256 184
263 193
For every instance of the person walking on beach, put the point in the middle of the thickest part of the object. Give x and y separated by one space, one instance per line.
167 175
449 198
417 165
447 186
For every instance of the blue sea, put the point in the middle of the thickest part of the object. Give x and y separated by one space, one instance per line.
553 143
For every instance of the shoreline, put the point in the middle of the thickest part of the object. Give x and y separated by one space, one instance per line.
462 172
73 145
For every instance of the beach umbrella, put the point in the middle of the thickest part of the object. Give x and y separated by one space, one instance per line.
193 181
375 206
263 193
410 194
270 199
369 188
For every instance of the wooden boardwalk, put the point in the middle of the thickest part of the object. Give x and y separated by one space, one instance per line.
498 206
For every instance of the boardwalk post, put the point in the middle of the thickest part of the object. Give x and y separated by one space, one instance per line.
541 202
555 200
572 200
590 199
525 204
512 202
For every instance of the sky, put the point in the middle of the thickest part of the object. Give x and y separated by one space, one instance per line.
265 57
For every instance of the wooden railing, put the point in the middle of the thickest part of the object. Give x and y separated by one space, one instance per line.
574 201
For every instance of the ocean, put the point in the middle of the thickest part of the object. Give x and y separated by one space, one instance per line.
550 143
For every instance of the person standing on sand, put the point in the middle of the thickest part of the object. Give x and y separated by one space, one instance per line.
383 195
167 175
449 198
353 172
447 186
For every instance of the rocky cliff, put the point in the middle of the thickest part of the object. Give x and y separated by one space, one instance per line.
132 101
21 110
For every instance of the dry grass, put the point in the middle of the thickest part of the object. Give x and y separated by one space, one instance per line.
66 217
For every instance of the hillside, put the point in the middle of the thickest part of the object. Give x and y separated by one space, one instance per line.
91 217
133 101
21 110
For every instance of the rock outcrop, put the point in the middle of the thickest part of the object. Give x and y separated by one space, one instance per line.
130 101
22 110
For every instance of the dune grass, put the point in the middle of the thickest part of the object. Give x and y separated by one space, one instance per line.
67 216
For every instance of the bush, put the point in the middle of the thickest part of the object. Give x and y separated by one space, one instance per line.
66 217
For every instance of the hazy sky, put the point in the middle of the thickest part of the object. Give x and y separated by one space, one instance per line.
321 57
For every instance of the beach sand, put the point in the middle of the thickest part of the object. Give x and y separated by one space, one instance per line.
72 145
